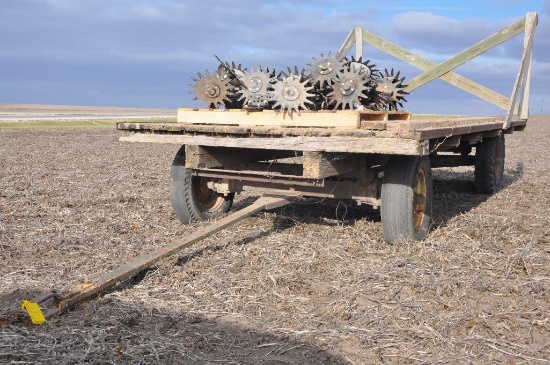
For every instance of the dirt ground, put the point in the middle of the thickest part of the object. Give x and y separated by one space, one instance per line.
310 283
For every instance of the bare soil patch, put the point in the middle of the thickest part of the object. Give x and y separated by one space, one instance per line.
310 283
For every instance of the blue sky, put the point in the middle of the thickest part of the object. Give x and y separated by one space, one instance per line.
143 53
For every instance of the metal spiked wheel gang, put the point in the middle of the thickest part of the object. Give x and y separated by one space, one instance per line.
329 83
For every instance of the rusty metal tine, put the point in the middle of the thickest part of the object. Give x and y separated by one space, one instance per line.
126 271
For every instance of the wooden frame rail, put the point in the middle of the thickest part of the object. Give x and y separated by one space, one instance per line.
514 107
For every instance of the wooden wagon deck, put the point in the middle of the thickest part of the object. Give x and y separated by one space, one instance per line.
351 131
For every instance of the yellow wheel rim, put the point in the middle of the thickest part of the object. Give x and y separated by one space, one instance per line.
419 198
207 199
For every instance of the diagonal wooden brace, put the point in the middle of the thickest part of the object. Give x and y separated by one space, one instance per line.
444 70
467 55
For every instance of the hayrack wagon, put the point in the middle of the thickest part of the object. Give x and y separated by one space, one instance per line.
378 157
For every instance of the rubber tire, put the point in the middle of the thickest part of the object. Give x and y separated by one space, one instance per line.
182 195
397 198
489 164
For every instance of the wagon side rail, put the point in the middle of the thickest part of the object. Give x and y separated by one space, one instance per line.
516 106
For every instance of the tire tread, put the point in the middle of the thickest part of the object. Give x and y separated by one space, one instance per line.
485 180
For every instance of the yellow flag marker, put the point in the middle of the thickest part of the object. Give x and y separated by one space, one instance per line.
34 311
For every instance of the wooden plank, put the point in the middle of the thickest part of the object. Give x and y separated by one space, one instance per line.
249 117
127 270
210 157
472 138
530 26
196 157
373 124
242 131
467 55
431 133
341 119
451 77
414 125
401 146
492 133
318 165
399 116
346 46
523 69
358 43
449 142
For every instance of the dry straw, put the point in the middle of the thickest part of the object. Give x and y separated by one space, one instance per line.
310 283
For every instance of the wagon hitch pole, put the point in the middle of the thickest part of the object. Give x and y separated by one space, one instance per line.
124 272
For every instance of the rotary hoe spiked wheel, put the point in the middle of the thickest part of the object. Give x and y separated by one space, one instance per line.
350 86
393 89
291 93
213 90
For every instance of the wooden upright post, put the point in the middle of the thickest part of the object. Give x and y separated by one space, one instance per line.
346 46
523 72
358 42
530 26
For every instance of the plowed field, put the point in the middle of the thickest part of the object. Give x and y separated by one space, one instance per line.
310 283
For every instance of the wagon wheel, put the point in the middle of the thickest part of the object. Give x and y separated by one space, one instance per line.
489 164
406 200
192 199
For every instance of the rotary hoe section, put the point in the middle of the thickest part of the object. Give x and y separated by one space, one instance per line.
327 83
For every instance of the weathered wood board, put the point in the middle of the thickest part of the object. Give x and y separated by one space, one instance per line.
401 146
306 118
317 165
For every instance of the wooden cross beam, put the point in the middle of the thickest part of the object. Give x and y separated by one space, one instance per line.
444 70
